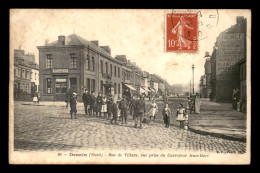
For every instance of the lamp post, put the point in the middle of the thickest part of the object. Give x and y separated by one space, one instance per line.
193 78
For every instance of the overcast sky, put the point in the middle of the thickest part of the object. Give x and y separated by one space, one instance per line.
138 34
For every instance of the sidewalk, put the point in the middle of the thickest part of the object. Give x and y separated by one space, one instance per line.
220 120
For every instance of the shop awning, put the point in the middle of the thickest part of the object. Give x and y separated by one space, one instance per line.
130 87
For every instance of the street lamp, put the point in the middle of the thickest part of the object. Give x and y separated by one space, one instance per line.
193 77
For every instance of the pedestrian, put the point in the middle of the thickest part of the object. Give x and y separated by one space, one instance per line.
153 110
181 115
123 106
39 97
86 98
104 106
131 106
35 98
73 105
67 97
109 106
140 110
99 105
92 109
166 115
128 95
234 104
114 111
197 105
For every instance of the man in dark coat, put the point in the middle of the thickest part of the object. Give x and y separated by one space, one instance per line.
128 95
99 104
86 98
109 106
123 106
73 105
92 103
139 107
114 111
68 96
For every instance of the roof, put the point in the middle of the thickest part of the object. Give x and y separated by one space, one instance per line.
74 40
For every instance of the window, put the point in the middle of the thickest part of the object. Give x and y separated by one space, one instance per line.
101 87
23 75
19 73
118 88
87 63
111 70
118 72
49 61
115 70
73 60
31 75
35 76
93 85
14 72
101 66
26 74
49 85
106 68
88 84
115 88
93 63
61 86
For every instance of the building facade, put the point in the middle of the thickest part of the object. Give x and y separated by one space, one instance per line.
242 88
75 63
229 49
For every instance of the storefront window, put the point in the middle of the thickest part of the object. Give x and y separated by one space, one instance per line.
61 86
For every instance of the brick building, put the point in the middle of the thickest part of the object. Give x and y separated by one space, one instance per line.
76 63
229 49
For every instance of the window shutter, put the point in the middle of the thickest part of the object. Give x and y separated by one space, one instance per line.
44 86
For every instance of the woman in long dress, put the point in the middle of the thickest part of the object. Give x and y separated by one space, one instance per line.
181 115
35 98
153 110
104 106
179 30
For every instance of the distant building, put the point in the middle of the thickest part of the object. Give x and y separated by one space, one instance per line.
229 49
25 84
76 63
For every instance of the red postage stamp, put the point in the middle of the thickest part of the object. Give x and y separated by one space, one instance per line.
181 32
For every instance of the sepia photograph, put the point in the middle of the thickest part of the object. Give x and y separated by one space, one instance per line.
130 86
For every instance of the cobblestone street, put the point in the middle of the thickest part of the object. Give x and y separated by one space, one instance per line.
49 128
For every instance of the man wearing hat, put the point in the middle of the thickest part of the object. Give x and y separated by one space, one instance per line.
73 105
139 107
123 106
86 98
114 111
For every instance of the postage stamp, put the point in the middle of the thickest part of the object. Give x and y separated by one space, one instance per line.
181 32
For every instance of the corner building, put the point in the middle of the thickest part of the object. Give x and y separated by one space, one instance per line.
76 63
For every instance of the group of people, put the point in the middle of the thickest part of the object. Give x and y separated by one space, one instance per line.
103 106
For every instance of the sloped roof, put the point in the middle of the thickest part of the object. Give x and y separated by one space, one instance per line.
74 39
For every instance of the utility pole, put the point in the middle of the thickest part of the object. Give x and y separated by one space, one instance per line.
193 77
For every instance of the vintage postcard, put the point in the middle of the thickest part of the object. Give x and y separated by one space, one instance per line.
130 86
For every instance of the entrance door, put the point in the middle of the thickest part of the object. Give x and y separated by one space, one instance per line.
73 84
60 89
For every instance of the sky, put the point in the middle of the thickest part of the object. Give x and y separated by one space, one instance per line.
138 34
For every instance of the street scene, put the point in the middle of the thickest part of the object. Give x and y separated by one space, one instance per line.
79 88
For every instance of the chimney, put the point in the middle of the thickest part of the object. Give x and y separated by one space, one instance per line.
107 48
240 19
46 42
61 40
95 42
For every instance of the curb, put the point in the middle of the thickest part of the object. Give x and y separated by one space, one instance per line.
218 135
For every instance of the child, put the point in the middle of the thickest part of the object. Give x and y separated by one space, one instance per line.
181 115
114 110
153 110
73 105
166 115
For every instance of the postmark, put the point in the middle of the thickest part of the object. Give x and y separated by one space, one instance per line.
181 32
